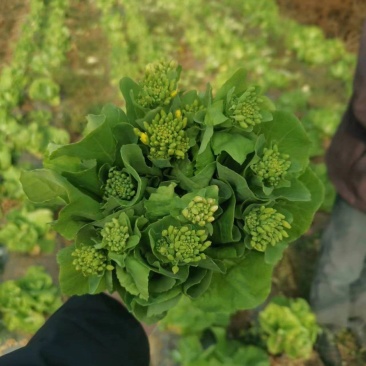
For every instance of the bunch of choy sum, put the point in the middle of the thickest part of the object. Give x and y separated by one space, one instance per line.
182 194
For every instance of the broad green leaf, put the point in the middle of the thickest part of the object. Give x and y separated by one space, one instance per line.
288 133
94 121
132 156
76 214
237 81
206 137
86 180
43 185
140 275
303 212
195 277
161 202
99 144
126 280
237 146
224 229
296 192
199 288
72 282
130 89
159 283
214 114
245 286
237 182
200 180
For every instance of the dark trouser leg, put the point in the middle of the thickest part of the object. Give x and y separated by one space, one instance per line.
343 251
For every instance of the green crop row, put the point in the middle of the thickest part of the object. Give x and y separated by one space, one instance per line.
29 98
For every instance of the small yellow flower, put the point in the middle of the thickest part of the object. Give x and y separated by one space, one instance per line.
178 113
174 93
144 138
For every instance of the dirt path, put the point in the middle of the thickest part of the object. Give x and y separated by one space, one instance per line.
84 79
338 18
12 15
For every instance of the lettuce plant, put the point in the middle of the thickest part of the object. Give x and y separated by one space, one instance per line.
288 326
221 351
28 231
182 194
25 302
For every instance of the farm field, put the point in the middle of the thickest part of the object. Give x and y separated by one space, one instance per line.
62 60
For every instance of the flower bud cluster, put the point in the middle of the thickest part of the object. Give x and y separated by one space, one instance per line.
119 185
193 107
115 236
272 167
166 136
246 110
90 261
266 226
200 210
182 245
159 84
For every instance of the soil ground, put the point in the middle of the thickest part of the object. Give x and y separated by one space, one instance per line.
338 18
12 13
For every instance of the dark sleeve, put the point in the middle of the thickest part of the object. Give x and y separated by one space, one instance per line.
87 330
359 86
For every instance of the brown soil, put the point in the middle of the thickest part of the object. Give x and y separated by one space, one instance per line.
338 18
84 78
12 13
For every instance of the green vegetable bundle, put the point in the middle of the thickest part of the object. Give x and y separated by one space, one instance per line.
288 326
184 194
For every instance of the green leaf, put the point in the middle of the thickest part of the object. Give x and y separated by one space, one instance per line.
86 180
237 146
161 202
140 275
289 134
297 191
133 157
126 280
200 180
159 283
72 282
199 288
245 286
97 284
94 121
206 137
42 185
129 89
303 212
273 254
224 229
214 114
237 81
80 208
99 144
76 214
237 182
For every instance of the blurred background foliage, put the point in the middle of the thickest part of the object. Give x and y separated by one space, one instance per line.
62 59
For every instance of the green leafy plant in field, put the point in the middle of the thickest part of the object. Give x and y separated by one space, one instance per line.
203 339
26 131
164 201
220 351
26 302
28 231
288 326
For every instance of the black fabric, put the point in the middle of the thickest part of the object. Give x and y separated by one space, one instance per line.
86 331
